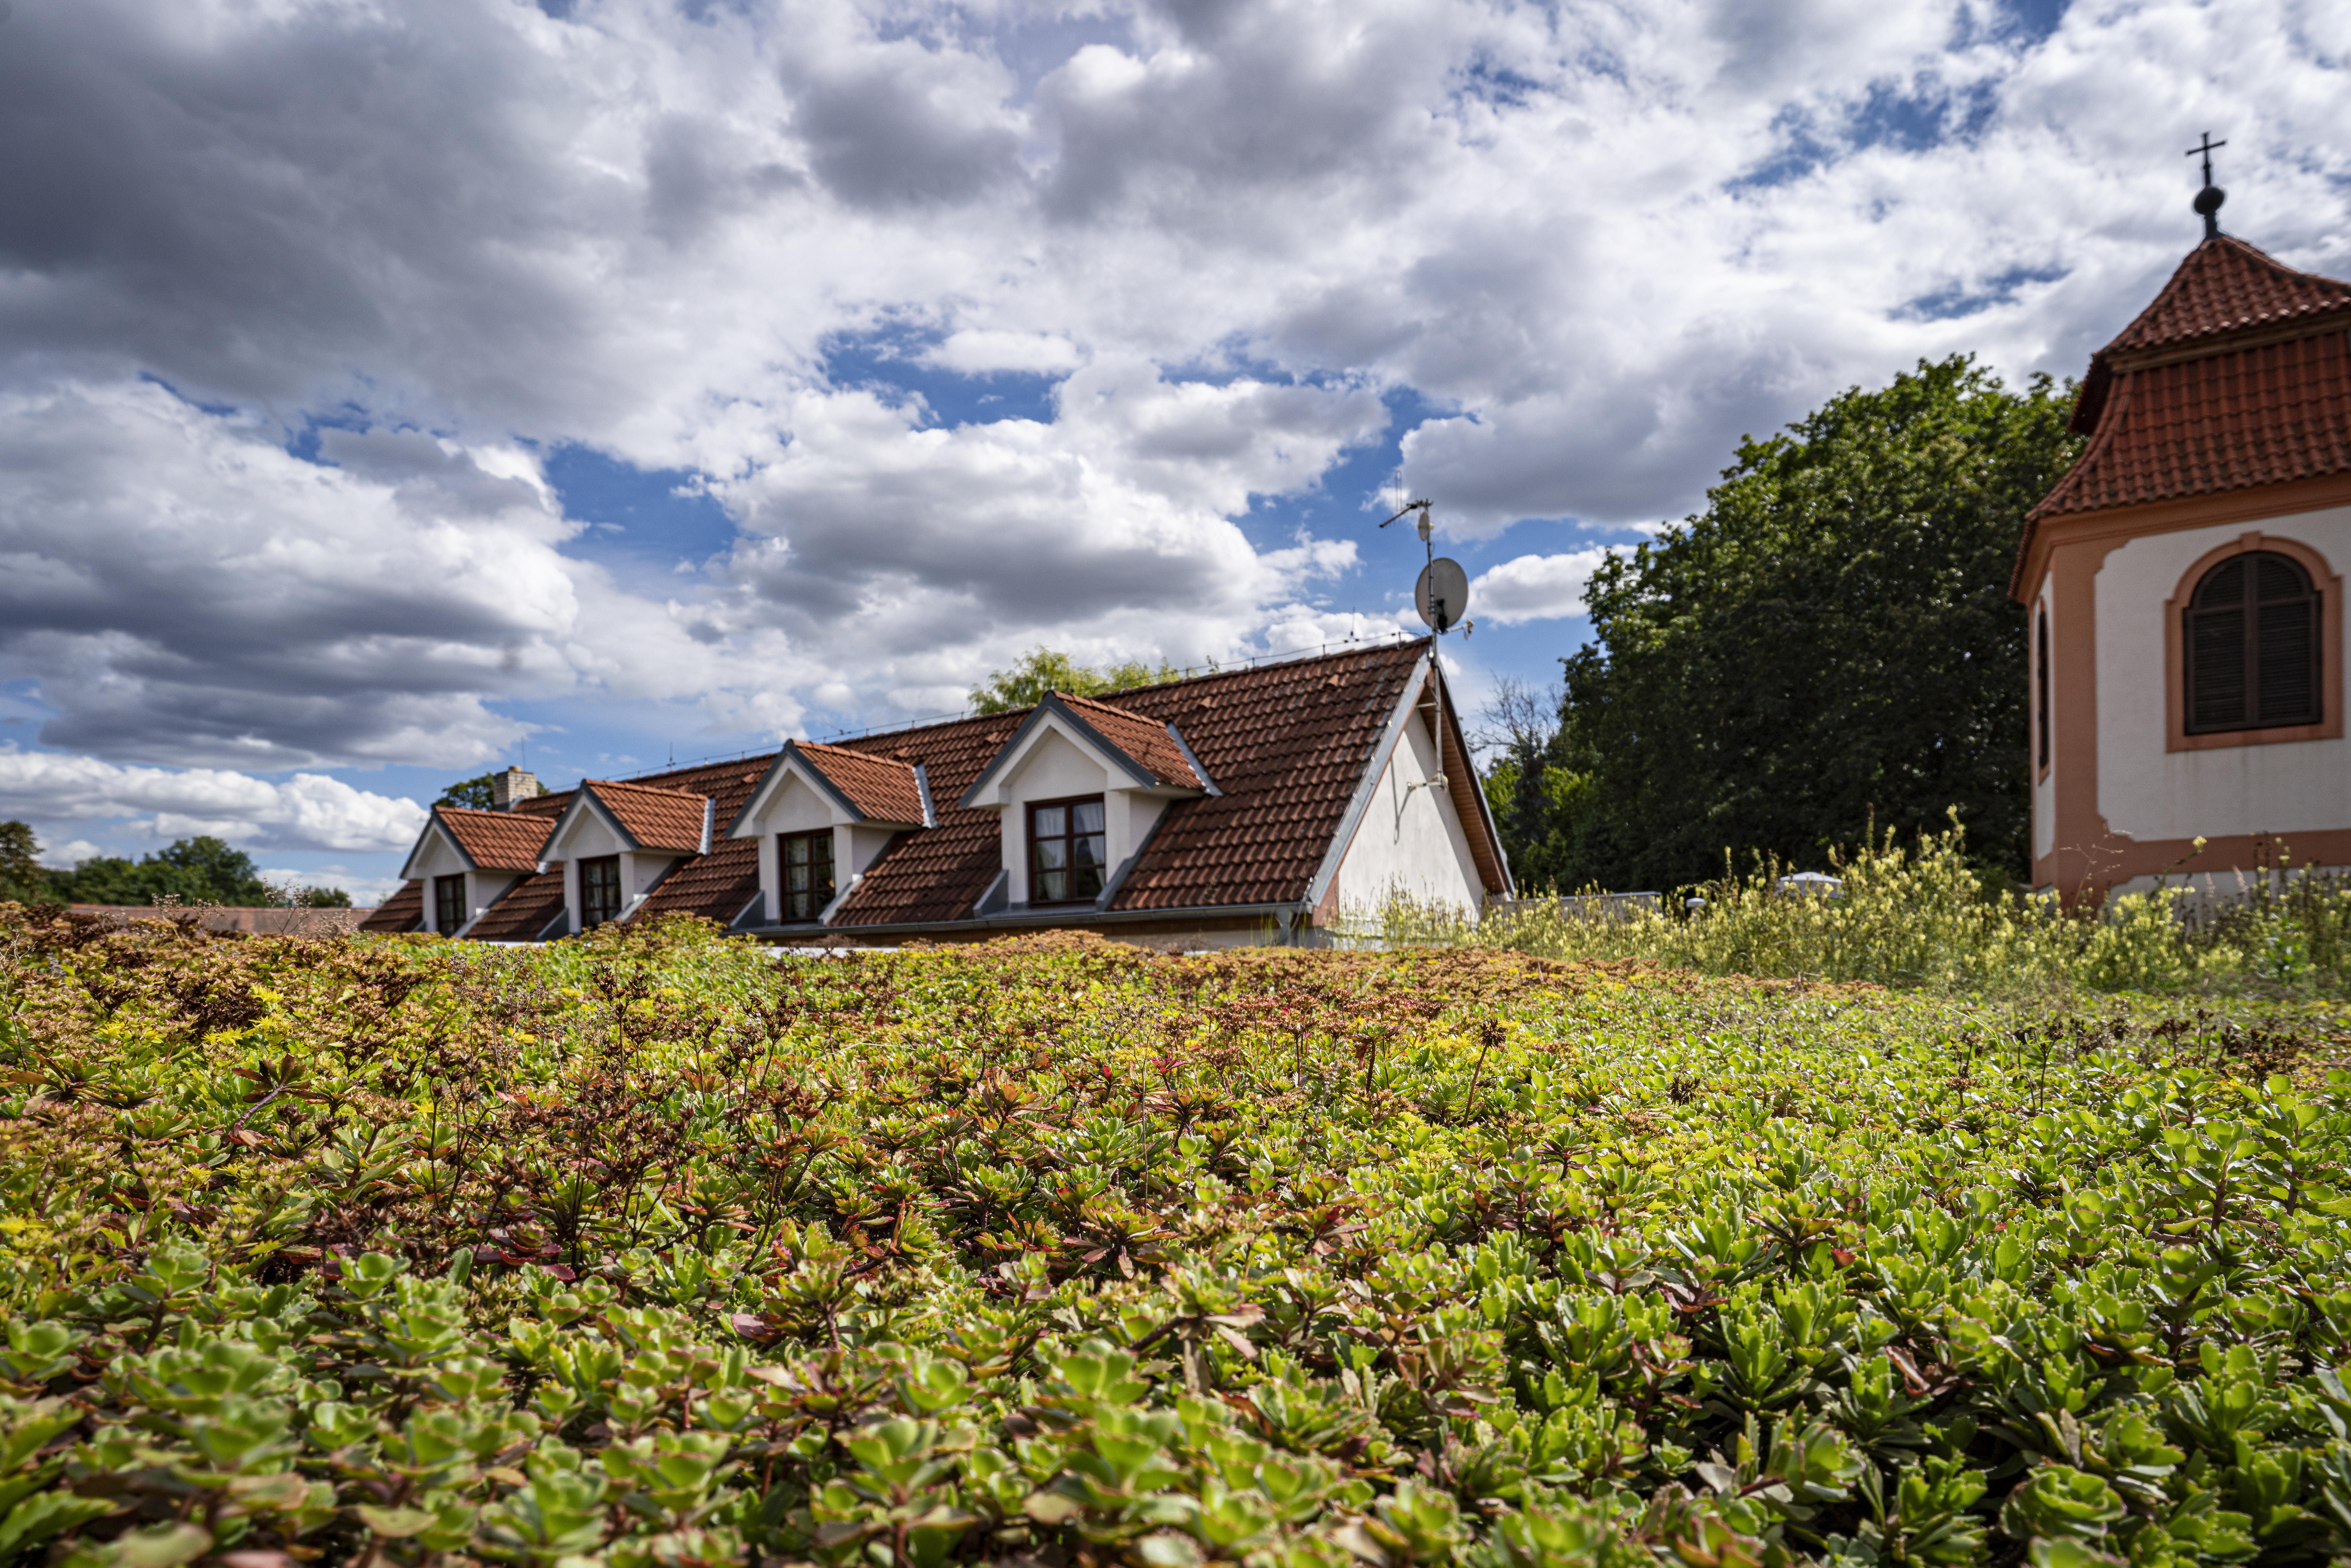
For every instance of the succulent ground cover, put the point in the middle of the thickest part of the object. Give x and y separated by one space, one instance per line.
649 1251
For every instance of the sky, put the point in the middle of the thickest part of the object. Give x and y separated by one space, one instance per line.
390 390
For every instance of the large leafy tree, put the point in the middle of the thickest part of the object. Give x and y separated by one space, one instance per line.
21 876
203 870
1829 645
1042 670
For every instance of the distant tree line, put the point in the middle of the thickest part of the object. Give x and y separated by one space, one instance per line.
1830 645
202 870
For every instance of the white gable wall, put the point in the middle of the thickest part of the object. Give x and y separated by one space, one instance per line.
1410 841
586 835
435 856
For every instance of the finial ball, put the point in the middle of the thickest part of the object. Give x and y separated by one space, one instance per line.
2209 199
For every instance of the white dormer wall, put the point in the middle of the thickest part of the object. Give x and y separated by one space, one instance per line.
1411 839
438 857
588 835
1051 766
796 806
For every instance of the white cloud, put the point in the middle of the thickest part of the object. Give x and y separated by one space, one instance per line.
1536 587
69 854
1598 243
980 353
310 810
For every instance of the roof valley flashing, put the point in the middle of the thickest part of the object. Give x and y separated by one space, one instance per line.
1231 802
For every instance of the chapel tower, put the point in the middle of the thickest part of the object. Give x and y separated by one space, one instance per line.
2185 589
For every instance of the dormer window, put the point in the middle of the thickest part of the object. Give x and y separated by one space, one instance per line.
806 862
448 904
599 890
1066 845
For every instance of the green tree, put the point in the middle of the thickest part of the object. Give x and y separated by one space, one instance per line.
194 871
1042 670
21 876
476 794
1830 643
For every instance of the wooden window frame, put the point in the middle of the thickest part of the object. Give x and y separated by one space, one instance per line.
588 920
2323 582
1028 810
784 916
439 904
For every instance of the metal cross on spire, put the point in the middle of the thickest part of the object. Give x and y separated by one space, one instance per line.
2208 199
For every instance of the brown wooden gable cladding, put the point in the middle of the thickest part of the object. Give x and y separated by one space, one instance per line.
1290 745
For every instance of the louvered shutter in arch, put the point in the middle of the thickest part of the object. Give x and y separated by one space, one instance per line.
2251 631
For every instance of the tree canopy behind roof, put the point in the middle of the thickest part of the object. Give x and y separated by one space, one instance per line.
1043 670
1830 643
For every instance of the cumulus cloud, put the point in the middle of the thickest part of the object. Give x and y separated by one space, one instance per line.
1594 246
1536 587
308 812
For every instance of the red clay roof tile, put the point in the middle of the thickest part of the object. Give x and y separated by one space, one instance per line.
496 841
403 911
882 788
1144 741
524 911
2236 375
657 816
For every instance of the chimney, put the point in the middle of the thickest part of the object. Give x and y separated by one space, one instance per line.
512 785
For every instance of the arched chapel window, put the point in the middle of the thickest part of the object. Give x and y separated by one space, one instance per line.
2252 645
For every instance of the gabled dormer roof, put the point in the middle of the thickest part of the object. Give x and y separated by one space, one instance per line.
481 841
882 791
646 818
494 840
2237 374
1152 755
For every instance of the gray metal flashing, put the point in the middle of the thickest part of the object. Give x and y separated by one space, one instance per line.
1049 707
997 896
742 921
1375 768
1185 746
1118 878
923 784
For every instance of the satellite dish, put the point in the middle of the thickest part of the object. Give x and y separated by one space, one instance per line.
1442 593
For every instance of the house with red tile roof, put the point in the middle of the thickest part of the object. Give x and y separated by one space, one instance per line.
2185 591
1253 805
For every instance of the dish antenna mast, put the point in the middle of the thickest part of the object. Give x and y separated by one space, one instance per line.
1440 595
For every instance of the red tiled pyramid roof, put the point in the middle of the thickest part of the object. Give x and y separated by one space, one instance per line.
882 788
2236 375
2224 287
1144 741
496 841
658 817
403 911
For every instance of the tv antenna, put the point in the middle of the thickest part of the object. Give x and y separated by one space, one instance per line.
1440 596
